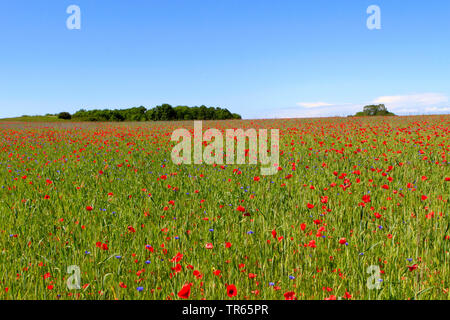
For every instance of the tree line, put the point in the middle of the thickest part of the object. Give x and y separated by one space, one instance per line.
164 112
374 110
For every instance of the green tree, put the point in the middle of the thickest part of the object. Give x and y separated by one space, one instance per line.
164 112
374 110
64 116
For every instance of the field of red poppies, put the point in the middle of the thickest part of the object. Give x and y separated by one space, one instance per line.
358 210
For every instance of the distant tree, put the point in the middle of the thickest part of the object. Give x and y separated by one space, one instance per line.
374 110
64 116
164 112
183 113
117 116
134 114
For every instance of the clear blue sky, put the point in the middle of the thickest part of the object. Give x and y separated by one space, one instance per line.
257 58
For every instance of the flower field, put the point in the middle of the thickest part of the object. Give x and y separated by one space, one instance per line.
358 210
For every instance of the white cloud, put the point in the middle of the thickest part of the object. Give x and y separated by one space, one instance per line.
328 110
413 100
420 103
437 109
406 110
313 104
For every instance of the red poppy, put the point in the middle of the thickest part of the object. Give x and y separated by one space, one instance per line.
177 268
177 257
274 233
231 290
413 267
290 295
185 292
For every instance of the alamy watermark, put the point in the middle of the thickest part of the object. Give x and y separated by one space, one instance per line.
213 153
74 281
374 20
73 22
374 281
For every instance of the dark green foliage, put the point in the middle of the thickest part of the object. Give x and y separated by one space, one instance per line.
164 112
64 116
374 110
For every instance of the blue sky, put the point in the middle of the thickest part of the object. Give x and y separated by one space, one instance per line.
262 59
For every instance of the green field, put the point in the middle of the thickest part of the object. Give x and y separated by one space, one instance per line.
350 193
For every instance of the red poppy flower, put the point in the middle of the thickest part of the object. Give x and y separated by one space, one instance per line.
413 267
274 233
177 268
231 290
185 292
177 257
89 208
290 295
347 295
